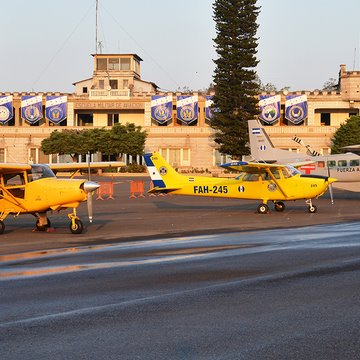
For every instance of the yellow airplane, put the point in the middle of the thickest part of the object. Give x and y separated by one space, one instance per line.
257 181
34 189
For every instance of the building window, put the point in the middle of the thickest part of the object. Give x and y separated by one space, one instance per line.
125 83
85 120
325 119
2 155
176 156
101 64
125 64
101 84
85 90
113 64
113 84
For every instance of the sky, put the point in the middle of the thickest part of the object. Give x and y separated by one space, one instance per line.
47 45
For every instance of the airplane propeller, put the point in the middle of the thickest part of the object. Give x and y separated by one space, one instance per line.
91 186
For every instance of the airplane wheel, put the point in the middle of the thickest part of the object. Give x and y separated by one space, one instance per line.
42 227
77 228
312 209
2 227
279 206
263 209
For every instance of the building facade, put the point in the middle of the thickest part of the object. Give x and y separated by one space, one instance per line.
177 124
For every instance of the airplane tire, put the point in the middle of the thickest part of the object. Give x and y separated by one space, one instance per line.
77 228
43 227
2 227
279 206
312 209
263 209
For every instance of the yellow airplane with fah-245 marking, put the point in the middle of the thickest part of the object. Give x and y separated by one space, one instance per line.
34 189
257 181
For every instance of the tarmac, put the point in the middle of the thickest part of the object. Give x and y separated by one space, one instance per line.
139 218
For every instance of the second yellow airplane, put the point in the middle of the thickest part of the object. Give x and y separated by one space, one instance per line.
256 181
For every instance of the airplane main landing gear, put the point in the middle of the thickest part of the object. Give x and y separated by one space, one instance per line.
279 206
76 226
263 209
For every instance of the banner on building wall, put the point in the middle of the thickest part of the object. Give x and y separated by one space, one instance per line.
6 109
269 108
187 108
31 108
296 108
208 109
161 108
56 108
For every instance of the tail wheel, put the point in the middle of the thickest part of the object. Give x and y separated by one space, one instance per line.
312 209
2 227
76 227
279 206
42 227
263 209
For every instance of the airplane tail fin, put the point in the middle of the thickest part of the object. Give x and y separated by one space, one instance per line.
261 146
163 175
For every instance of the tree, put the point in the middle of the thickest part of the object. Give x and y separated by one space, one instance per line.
330 85
236 89
347 134
121 139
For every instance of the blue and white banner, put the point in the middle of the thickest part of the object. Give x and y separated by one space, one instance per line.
161 108
269 108
31 108
208 109
6 109
296 108
187 108
56 109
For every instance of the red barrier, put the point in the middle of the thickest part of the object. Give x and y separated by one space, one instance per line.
136 189
105 189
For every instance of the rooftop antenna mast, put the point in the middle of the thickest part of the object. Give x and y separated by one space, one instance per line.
96 29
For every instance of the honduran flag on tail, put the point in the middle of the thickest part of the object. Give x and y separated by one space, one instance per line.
55 108
255 131
6 109
296 108
269 108
31 108
187 108
161 108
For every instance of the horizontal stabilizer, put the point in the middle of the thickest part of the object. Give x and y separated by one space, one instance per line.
159 190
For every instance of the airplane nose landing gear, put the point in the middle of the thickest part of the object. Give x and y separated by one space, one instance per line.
76 226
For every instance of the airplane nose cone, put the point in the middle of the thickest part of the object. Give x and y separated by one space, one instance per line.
90 186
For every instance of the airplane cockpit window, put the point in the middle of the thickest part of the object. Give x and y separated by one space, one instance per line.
289 171
355 162
342 163
276 173
331 163
15 179
40 172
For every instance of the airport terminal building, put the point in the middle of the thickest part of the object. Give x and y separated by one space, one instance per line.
177 123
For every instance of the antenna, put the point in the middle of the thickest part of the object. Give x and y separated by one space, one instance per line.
96 27
354 59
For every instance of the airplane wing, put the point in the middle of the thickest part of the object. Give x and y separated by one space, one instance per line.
80 166
250 167
14 167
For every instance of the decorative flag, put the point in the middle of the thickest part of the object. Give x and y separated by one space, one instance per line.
31 108
208 110
161 108
296 108
55 108
187 108
6 109
269 108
